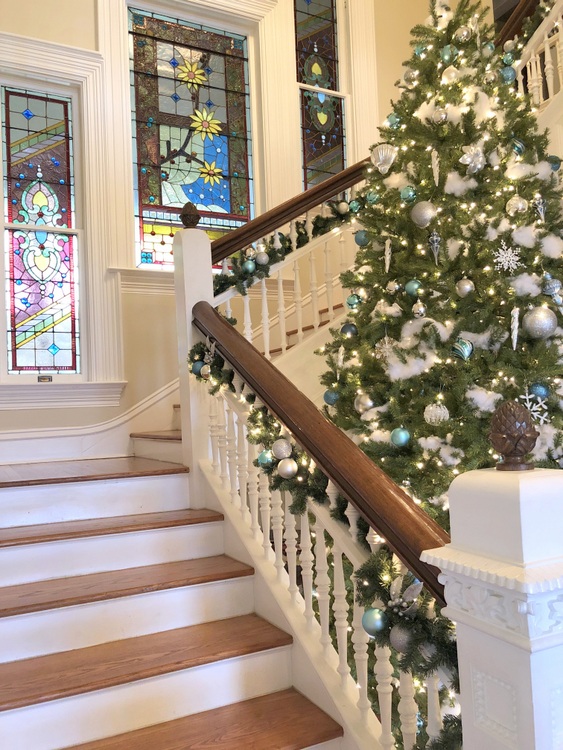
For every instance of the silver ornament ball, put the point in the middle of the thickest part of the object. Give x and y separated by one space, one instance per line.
410 76
463 34
362 403
342 208
436 414
393 286
287 468
205 372
516 205
464 287
440 116
419 309
400 638
282 448
539 322
262 258
423 213
450 75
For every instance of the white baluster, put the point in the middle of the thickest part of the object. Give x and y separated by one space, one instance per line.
232 457
322 583
434 724
408 709
222 443
343 259
293 235
340 609
353 516
332 492
281 313
360 640
277 245
213 434
306 561
374 540
253 492
314 289
536 80
520 82
328 282
225 266
309 225
264 499
383 671
247 324
242 465
559 51
291 546
548 66
228 309
298 301
277 531
265 319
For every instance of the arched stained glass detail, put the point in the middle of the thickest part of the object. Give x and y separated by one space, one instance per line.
190 103
40 257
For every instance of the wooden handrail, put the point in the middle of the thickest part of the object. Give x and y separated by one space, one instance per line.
386 507
275 218
513 26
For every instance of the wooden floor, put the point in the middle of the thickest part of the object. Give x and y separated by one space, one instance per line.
59 472
279 721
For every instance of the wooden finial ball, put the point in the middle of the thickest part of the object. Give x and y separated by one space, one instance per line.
190 216
513 435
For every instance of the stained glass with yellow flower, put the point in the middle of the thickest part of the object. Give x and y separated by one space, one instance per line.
204 123
192 75
211 172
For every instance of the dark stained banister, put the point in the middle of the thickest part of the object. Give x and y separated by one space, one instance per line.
513 26
275 218
407 529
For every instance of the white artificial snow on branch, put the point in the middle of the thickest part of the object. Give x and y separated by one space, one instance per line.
526 284
382 309
457 184
525 236
453 248
482 399
552 246
398 181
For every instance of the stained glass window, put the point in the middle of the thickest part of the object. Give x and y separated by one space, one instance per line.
322 114
190 103
41 244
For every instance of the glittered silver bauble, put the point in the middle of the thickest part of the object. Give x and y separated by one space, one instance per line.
539 322
423 213
419 309
463 34
287 468
205 372
262 259
393 286
436 413
400 638
409 77
450 75
440 116
342 208
282 448
516 205
464 287
362 403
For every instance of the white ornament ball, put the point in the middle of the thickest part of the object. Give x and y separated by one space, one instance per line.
287 468
464 287
262 258
362 403
450 75
343 207
436 414
282 448
400 638
419 309
423 213
539 322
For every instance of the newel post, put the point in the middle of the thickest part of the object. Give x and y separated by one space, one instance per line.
503 576
193 282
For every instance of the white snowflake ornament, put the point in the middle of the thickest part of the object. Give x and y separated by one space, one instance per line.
474 158
507 258
384 348
536 406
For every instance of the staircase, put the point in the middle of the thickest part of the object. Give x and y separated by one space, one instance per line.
124 625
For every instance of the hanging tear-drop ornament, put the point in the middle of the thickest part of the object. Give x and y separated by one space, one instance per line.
514 321
435 160
435 241
387 255
540 204
340 358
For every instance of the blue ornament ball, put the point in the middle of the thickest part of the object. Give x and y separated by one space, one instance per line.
539 389
354 206
412 287
374 620
518 146
361 238
555 162
249 266
449 53
265 459
353 301
394 121
408 194
197 365
508 74
419 50
508 58
372 197
331 397
349 329
462 349
400 437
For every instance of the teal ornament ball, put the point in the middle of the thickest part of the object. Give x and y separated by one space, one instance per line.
412 287
374 620
394 121
361 238
449 54
508 74
265 459
353 301
197 365
249 266
372 198
488 49
462 349
349 330
508 58
555 162
400 437
518 146
408 194
331 397
419 50
540 390
355 206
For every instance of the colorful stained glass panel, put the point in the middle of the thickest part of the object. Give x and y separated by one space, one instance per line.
322 136
41 254
315 31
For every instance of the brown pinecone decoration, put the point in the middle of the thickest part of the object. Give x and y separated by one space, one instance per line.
190 216
513 435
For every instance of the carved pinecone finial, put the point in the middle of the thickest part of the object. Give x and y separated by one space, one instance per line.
513 435
190 216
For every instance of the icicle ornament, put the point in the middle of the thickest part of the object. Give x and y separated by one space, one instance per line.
435 160
514 320
387 255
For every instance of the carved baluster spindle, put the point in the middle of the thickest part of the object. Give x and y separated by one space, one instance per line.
536 80
222 442
322 583
340 609
309 225
242 464
353 516
548 66
247 319
343 259
408 709
328 282
213 434
250 511
225 266
265 319
281 313
306 562
293 234
520 82
360 640
434 724
314 290
298 302
277 245
383 672
559 51
232 457
291 546
265 506
374 540
277 531
332 492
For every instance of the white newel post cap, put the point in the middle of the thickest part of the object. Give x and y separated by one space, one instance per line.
503 577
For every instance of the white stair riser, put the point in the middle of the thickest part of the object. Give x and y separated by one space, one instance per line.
50 503
74 557
85 625
104 713
161 450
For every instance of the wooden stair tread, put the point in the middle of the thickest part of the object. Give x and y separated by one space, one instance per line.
172 435
44 678
49 532
278 721
65 592
84 470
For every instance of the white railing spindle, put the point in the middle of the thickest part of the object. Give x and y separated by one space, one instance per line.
247 324
314 290
222 443
213 434
548 66
291 547
265 319
242 464
408 709
306 561
340 608
281 313
360 640
322 583
298 301
265 507
277 530
434 721
328 282
232 456
383 671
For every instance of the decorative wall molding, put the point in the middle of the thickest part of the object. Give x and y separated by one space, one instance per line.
145 281
499 718
60 395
